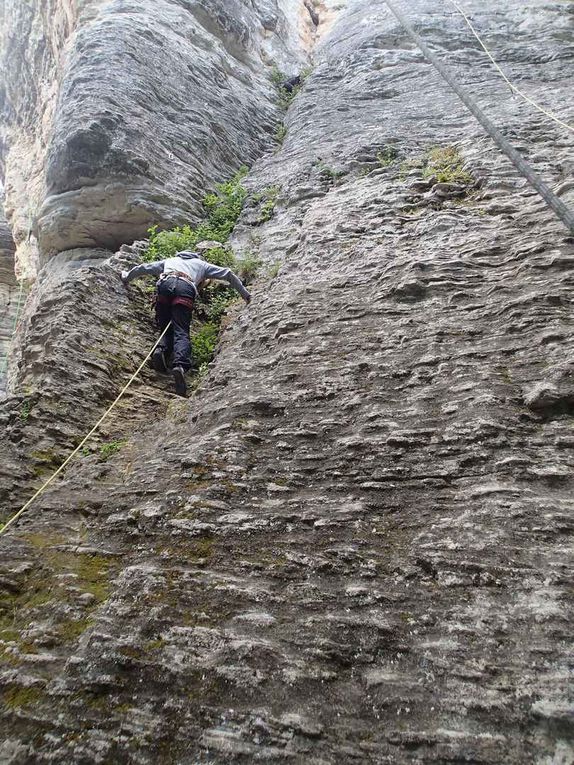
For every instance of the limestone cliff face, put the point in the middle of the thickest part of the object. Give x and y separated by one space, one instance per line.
353 543
117 114
9 291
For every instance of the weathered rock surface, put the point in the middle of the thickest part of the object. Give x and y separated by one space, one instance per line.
118 114
9 293
354 542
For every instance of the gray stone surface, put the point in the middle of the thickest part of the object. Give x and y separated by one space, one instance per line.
354 542
118 114
9 293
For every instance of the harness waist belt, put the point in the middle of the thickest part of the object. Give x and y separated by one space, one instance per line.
179 275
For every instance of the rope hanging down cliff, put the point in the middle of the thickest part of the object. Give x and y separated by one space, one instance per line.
560 209
42 488
516 90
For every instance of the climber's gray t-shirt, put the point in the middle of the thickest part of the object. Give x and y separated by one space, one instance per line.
197 269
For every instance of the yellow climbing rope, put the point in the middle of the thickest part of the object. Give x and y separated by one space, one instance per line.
42 488
512 87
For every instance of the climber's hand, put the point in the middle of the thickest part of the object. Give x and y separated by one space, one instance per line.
247 298
124 276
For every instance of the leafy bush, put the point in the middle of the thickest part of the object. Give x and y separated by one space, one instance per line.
223 208
285 97
281 134
248 267
268 197
203 343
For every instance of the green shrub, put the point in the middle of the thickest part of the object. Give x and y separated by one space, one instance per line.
248 267
274 269
268 197
203 343
281 134
223 208
25 409
285 97
329 173
446 165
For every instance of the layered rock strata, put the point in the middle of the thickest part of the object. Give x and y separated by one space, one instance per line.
118 114
353 543
9 294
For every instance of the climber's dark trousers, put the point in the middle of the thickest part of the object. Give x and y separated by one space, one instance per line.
174 303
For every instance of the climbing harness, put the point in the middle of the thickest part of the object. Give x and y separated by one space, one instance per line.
510 85
17 316
179 275
560 209
42 488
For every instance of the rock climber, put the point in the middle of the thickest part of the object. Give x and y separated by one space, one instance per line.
176 291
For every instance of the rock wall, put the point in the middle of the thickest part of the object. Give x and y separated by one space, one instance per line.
354 542
87 86
9 294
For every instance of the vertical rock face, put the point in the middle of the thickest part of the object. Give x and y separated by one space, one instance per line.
118 114
353 543
9 294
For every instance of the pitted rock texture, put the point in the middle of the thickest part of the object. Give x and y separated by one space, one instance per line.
354 542
9 294
119 114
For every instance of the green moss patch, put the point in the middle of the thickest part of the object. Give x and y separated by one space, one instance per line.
48 584
15 698
446 165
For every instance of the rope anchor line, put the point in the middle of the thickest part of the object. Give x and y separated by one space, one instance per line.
513 87
554 203
44 486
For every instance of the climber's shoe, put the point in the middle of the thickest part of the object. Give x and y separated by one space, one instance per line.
158 361
179 377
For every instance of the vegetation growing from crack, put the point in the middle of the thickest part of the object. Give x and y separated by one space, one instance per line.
281 134
441 164
286 95
327 173
110 448
222 208
267 199
25 409
387 155
446 165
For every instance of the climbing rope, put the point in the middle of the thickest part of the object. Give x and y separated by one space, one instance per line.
42 488
557 205
511 86
17 316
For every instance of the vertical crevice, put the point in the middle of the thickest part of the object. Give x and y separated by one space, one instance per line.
8 294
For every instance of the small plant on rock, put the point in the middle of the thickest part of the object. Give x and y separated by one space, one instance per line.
446 165
281 134
110 448
223 208
387 155
268 198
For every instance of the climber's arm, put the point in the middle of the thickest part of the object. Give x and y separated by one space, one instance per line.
144 269
227 275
